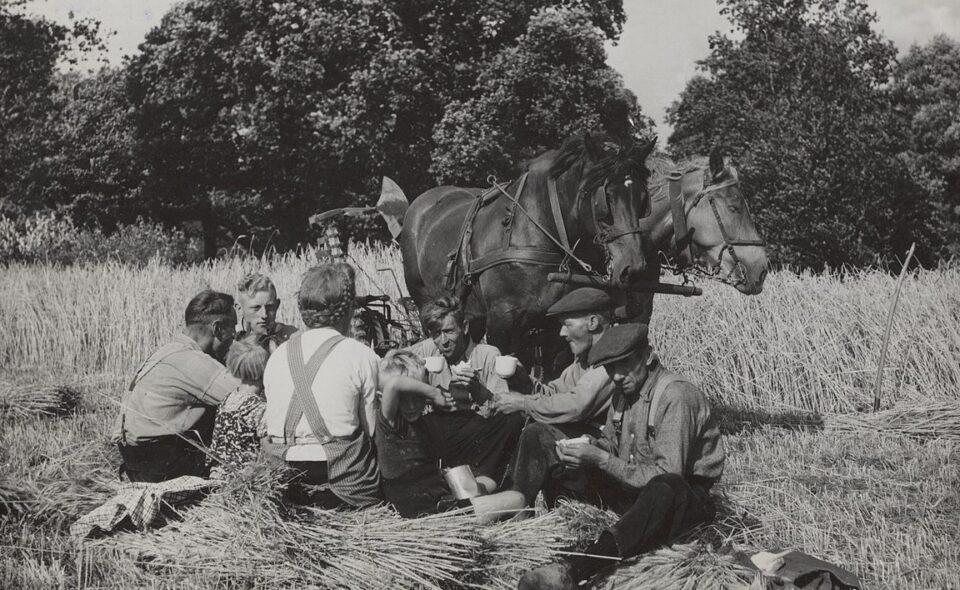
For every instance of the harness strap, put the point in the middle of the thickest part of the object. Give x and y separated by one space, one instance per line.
557 213
681 234
302 403
521 255
546 232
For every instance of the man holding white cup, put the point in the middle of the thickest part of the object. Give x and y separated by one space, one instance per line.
472 434
581 394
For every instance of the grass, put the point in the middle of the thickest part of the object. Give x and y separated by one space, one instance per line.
789 371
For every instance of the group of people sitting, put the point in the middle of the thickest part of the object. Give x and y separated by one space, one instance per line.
616 428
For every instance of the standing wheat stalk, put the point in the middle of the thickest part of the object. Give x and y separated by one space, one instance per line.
886 334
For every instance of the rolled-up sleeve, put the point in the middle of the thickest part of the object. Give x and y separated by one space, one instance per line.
589 398
368 393
220 385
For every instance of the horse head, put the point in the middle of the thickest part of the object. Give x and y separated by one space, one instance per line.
611 187
724 237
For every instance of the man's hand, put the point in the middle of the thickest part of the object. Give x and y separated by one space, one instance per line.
467 378
580 454
442 400
508 402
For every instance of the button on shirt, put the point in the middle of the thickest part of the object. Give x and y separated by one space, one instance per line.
174 389
345 389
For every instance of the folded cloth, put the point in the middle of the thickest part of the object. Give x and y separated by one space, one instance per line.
140 504
805 572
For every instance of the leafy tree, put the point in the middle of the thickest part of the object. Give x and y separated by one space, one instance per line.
252 115
799 95
30 49
927 87
94 175
552 83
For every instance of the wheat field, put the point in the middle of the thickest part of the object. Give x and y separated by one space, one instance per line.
790 372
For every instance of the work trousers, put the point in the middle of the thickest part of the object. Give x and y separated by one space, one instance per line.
163 459
656 514
466 438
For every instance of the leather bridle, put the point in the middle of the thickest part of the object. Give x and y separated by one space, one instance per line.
729 243
600 209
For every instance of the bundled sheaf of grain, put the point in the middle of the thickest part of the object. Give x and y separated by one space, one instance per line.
14 499
692 566
925 420
21 398
244 534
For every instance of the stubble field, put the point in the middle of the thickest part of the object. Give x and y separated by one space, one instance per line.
791 373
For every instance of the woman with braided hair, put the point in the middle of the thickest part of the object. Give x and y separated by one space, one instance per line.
321 389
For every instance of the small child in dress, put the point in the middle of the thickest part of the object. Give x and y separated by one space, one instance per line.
239 423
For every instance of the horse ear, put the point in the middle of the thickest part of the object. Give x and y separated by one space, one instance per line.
594 151
647 149
716 160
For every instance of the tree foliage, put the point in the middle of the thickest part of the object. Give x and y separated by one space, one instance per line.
30 49
552 83
252 115
800 97
927 88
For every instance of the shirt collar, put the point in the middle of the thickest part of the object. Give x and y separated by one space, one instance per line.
187 342
646 391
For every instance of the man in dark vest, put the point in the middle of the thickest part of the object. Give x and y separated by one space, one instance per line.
659 455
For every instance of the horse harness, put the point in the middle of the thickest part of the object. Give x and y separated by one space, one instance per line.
682 243
473 267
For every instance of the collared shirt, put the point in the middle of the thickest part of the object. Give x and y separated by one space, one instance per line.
277 336
481 357
580 394
345 389
685 438
174 389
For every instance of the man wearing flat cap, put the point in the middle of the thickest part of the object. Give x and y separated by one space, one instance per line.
659 455
580 394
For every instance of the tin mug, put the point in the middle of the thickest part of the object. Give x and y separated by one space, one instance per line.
461 481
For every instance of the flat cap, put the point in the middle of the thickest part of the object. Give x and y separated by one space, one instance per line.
585 299
617 343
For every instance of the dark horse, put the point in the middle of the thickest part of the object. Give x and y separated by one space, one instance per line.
494 250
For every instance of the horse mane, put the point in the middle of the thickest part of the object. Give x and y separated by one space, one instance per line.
661 166
621 160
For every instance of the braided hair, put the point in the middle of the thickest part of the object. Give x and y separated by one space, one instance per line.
327 294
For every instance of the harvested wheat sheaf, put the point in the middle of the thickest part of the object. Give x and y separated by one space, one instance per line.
21 398
935 420
242 535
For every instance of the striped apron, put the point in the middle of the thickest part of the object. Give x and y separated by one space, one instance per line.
351 460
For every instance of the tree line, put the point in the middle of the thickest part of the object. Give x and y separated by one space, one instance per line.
240 118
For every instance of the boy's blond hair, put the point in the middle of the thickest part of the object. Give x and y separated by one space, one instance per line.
247 359
402 363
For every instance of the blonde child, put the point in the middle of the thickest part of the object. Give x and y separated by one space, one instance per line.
239 423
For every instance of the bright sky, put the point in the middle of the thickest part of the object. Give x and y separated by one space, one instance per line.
661 41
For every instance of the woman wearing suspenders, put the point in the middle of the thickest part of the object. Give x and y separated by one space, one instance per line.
320 388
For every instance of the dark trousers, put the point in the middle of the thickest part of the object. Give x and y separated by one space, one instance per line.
466 438
417 492
656 514
309 486
164 459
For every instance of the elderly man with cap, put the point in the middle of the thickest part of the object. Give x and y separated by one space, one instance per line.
581 394
660 453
